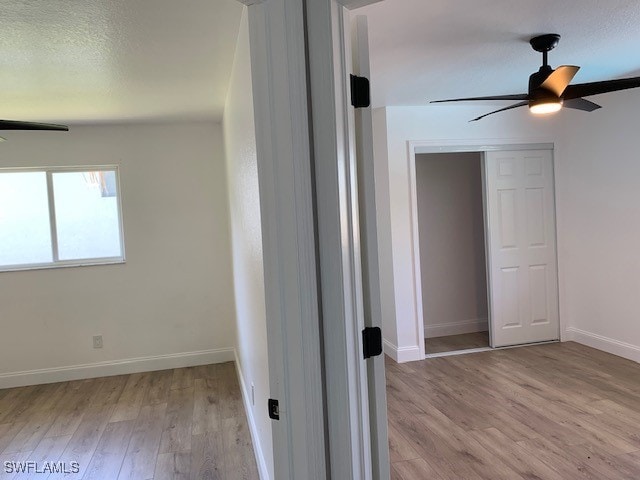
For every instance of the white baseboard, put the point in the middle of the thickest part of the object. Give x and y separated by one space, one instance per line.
609 345
402 354
456 328
117 367
263 471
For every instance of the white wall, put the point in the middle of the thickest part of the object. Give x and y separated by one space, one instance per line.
440 125
246 235
452 255
173 297
598 177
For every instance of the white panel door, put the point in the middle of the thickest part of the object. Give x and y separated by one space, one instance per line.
521 233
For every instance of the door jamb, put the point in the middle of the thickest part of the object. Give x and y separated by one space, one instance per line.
338 236
279 85
454 146
281 91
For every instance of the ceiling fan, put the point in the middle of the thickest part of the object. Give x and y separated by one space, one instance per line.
15 125
549 89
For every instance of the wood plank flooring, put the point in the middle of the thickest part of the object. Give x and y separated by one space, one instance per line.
548 412
452 343
186 424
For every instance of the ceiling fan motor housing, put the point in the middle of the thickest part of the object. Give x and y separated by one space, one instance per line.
536 79
536 93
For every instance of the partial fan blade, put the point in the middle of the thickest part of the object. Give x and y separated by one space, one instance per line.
559 79
14 125
519 96
595 88
516 105
581 104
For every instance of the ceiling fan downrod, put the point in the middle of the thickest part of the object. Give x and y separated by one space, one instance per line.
544 44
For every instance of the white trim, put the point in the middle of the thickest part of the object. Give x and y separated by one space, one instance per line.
53 223
353 4
62 168
477 145
426 147
89 262
456 328
116 367
486 215
416 272
485 349
403 354
459 352
258 451
522 345
606 344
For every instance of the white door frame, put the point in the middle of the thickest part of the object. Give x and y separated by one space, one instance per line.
323 428
336 181
280 90
368 172
452 146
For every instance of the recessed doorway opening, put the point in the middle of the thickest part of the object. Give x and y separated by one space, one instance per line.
453 267
467 200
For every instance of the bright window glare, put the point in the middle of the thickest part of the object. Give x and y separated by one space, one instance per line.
86 215
25 235
59 216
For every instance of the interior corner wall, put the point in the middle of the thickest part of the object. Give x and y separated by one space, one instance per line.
246 240
170 304
451 238
438 125
598 196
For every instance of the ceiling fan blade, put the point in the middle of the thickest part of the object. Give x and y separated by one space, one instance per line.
516 105
595 88
581 104
518 96
15 125
559 79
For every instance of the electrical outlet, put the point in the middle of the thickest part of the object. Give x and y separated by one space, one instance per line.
253 395
97 341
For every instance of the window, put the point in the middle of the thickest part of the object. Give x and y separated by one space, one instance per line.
53 217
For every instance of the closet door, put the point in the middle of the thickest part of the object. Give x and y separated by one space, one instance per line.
521 233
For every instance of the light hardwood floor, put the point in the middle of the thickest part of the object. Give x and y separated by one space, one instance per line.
452 343
187 423
548 412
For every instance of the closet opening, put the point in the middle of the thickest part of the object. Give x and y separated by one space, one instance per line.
453 265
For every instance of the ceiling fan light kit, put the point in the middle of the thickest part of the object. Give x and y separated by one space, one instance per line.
545 107
550 90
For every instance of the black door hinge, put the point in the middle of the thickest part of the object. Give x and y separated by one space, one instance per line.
274 409
360 92
371 342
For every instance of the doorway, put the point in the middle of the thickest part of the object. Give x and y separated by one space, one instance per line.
518 221
453 266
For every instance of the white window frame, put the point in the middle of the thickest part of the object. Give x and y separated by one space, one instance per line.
56 262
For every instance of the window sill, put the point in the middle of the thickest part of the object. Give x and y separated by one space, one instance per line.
66 264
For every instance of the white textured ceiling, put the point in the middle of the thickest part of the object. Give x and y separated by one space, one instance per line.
427 50
115 60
